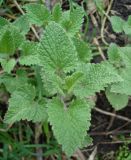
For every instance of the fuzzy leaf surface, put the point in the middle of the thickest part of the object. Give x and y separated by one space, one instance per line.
117 23
72 21
113 54
57 12
119 56
56 50
125 53
14 83
7 44
127 26
118 101
19 38
29 55
38 14
52 82
69 126
22 23
3 22
123 87
83 50
96 78
71 81
23 107
8 65
10 39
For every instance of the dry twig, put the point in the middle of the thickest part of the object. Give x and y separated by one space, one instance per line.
104 22
111 121
99 48
112 114
93 154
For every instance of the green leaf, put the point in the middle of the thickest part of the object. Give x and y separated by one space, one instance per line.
56 50
13 83
8 65
96 78
69 125
83 50
127 26
18 37
119 56
118 101
7 44
65 20
29 55
10 39
3 22
125 53
87 141
113 54
117 23
52 83
123 87
38 14
72 21
76 20
23 107
22 23
57 12
71 81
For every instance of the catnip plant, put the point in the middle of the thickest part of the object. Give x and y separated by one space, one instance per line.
52 80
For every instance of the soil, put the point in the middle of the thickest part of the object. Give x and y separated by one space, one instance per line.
99 128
